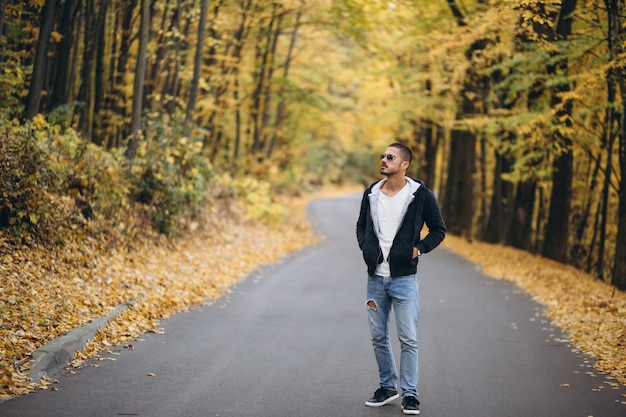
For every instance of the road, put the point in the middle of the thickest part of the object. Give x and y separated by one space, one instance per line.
292 340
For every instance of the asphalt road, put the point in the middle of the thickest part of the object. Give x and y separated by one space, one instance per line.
292 340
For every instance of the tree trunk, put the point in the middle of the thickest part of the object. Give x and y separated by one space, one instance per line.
495 231
35 90
520 227
557 229
229 73
267 96
281 107
63 67
3 7
100 84
583 251
163 43
120 98
613 123
616 42
619 268
458 203
140 75
193 89
94 19
262 74
171 83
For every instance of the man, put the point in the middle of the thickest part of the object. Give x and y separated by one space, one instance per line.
393 212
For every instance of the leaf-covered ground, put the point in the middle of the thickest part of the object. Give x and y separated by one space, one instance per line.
591 312
44 294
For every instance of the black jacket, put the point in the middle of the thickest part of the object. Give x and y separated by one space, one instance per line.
421 207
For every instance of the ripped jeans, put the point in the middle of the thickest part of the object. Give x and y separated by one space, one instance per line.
401 293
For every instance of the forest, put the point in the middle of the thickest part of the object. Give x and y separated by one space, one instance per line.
117 114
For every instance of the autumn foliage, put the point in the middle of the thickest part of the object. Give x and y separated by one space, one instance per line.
125 122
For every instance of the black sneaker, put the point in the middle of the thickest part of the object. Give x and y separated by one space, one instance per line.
410 405
381 397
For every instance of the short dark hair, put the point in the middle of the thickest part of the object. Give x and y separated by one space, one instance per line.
405 151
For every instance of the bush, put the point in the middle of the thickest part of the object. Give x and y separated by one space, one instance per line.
27 208
257 199
169 176
94 177
54 185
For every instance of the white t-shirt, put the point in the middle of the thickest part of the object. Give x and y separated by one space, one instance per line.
389 218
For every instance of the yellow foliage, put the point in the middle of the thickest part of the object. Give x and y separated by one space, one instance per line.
44 294
256 197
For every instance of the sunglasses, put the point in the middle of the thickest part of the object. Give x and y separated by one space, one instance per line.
389 156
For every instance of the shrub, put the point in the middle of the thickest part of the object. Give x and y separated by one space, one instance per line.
257 198
27 208
170 176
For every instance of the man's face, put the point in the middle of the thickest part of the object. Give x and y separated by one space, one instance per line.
390 162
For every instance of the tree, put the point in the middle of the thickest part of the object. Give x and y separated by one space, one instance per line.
33 100
458 201
63 67
557 229
193 89
3 7
140 74
616 42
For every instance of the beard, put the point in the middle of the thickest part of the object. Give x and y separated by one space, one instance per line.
385 171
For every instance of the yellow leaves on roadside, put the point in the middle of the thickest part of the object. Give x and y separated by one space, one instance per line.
592 312
44 293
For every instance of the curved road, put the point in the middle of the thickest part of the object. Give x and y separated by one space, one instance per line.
292 340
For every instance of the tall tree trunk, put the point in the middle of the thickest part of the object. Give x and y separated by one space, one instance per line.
458 201
171 83
163 43
100 75
261 75
197 68
94 20
583 251
120 98
140 75
163 57
229 74
613 123
619 268
557 229
3 7
267 97
63 64
616 41
520 228
427 135
281 106
35 90
495 231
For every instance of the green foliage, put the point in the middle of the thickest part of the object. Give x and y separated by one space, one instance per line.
170 176
87 172
53 183
27 208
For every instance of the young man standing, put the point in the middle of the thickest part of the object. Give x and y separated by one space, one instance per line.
393 212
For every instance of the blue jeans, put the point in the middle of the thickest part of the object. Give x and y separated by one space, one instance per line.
401 293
